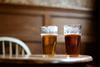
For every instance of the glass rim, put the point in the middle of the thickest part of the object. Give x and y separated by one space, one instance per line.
49 26
76 25
72 25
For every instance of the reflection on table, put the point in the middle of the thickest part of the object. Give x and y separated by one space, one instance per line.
44 59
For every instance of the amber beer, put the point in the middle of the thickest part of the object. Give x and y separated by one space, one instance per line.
72 34
49 43
72 43
49 39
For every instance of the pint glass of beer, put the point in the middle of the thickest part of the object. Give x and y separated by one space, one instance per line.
49 39
72 36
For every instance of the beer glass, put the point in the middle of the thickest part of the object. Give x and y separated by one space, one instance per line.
72 37
49 39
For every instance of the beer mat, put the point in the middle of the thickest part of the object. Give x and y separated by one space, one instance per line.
61 58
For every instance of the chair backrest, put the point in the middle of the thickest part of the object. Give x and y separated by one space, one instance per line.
13 46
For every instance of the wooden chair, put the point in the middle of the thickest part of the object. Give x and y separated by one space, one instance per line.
13 47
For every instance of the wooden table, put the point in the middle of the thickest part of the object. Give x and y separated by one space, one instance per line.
80 61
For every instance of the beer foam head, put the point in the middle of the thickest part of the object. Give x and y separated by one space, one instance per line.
49 29
72 29
48 34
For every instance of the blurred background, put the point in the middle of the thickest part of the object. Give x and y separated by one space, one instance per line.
23 19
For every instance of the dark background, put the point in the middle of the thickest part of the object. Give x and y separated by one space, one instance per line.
94 48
